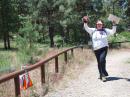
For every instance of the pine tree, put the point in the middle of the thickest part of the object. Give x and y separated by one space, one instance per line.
9 20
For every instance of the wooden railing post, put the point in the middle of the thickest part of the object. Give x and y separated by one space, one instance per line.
82 47
72 52
43 73
56 64
65 54
17 86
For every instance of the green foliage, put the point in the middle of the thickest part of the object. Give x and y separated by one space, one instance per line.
9 15
4 63
13 59
126 35
8 21
26 38
61 17
123 36
117 38
28 32
42 19
58 40
23 58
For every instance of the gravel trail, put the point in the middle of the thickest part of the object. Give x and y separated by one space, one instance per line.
88 84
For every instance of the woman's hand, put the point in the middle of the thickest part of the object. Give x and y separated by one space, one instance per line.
114 23
85 19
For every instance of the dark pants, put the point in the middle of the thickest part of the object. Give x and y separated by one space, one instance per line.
101 59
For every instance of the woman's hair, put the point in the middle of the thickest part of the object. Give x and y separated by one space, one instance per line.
101 22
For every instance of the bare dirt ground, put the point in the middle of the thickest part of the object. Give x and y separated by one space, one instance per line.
87 83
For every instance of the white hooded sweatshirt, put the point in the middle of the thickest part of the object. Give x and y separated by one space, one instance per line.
99 37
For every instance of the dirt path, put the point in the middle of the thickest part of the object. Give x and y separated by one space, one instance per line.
88 84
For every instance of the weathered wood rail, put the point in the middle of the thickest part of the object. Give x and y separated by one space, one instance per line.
15 75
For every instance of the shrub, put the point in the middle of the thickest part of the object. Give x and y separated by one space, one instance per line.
4 63
58 40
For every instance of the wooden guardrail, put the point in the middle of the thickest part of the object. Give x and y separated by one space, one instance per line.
15 75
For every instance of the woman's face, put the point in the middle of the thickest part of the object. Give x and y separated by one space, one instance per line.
99 25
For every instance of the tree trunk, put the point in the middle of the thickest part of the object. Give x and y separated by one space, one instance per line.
5 43
6 35
66 34
51 35
5 26
50 26
8 40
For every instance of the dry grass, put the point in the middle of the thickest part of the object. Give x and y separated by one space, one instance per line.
7 89
54 81
73 68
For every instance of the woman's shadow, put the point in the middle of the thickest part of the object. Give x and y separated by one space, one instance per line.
117 78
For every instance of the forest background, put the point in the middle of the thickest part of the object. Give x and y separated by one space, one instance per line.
28 28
